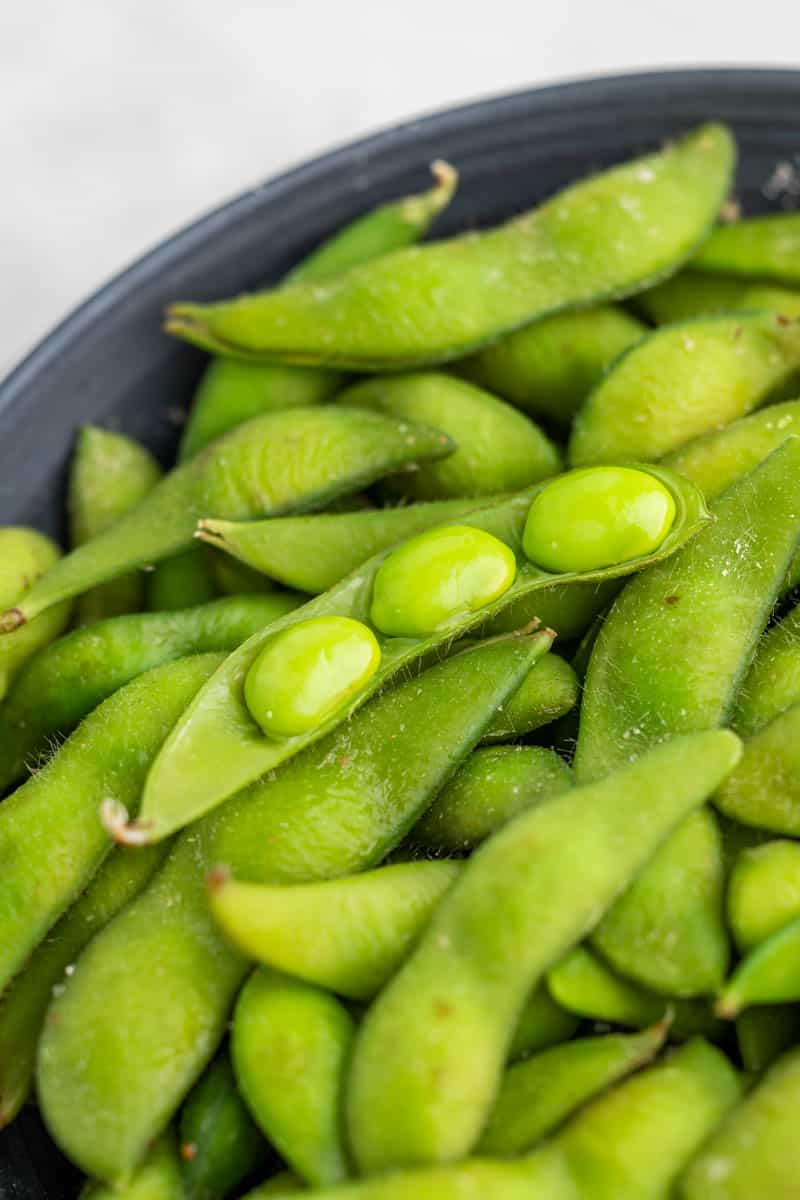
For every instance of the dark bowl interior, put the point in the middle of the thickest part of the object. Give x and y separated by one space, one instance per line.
109 363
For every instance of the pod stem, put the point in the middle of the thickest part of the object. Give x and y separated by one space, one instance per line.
728 1006
12 619
116 821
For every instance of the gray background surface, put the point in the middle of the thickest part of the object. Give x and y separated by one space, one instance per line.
120 120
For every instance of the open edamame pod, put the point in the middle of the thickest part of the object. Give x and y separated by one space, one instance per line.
26 555
181 787
290 1046
220 1145
52 839
692 294
339 808
634 1140
110 474
498 449
70 677
285 461
757 247
548 368
683 381
602 238
535 1096
754 1153
465 983
347 935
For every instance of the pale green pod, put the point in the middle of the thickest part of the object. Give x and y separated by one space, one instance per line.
764 789
764 247
769 974
763 892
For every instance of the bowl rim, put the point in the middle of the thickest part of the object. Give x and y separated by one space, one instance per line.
174 246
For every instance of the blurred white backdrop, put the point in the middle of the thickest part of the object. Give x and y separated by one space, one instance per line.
120 120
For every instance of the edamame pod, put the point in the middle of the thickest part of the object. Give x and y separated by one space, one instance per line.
285 1183
440 302
180 787
339 808
692 294
766 1032
158 1178
348 935
110 475
683 381
548 368
290 1046
764 790
769 974
292 460
220 1145
494 785
773 682
763 892
181 581
498 449
24 1003
526 897
542 1023
232 392
25 555
634 1141
754 1153
758 247
548 692
73 675
51 837
535 1096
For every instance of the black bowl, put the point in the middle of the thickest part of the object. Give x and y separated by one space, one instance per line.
109 363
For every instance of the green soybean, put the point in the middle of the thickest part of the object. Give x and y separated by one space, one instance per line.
220 1144
548 692
158 1178
763 892
181 581
683 381
498 449
754 1152
535 1096
548 368
692 294
764 1033
308 672
24 1003
232 392
602 238
347 935
51 836
758 247
110 474
596 517
111 1076
25 555
636 1139
450 1011
292 460
290 1045
494 785
69 678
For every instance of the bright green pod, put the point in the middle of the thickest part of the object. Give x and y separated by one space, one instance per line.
754 1153
314 552
498 449
763 892
635 1140
691 294
338 809
466 981
290 1045
158 1178
234 578
218 726
26 555
765 247
220 1144
548 692
437 577
772 685
769 974
308 672
181 581
347 935
494 785
69 678
683 381
109 475
52 839
24 1003
254 471
764 790
766 1032
585 985
677 946
535 1096
569 608
548 368
439 302
232 392
597 517
542 1023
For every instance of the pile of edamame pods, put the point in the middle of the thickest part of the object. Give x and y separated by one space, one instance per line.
402 792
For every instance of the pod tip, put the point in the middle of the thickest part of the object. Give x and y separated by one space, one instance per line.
728 1006
12 619
117 824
